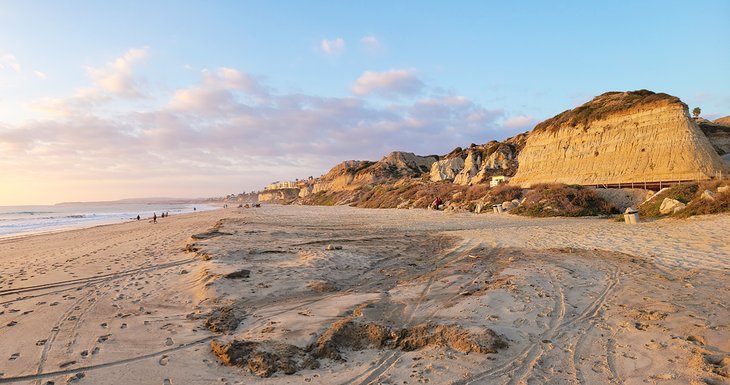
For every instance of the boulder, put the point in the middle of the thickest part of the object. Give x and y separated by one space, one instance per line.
670 206
508 205
708 195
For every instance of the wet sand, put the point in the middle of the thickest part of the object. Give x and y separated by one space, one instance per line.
340 295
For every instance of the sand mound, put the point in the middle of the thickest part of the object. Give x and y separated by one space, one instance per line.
268 357
322 286
225 319
264 358
347 334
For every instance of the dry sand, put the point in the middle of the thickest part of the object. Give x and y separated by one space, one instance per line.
400 297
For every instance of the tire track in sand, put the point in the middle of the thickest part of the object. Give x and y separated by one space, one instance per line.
386 362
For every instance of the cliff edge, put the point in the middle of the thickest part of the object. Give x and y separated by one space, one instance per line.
618 137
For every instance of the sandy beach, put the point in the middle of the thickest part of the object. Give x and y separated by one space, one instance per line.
338 295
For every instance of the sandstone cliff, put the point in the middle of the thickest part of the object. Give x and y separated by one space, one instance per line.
479 162
725 121
278 196
352 174
718 132
618 137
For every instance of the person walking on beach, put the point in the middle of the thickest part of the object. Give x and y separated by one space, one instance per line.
154 217
138 217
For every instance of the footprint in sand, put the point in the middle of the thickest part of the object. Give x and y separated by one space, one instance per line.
12 323
84 354
167 381
164 360
95 350
75 377
40 342
103 338
169 341
67 363
124 326
14 356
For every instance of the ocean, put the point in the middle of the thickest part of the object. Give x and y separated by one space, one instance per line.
23 220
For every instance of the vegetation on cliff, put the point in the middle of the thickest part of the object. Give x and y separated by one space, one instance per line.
605 105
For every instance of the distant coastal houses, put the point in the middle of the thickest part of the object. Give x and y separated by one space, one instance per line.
280 185
298 184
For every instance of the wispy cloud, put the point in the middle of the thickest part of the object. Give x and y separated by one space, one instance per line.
521 123
115 80
230 123
390 84
217 92
9 60
334 46
371 44
40 75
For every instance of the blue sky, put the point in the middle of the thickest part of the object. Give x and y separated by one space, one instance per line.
106 100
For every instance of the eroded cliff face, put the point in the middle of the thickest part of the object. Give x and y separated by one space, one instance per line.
279 196
618 137
446 169
718 133
479 163
352 174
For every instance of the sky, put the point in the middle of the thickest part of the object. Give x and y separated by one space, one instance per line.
105 100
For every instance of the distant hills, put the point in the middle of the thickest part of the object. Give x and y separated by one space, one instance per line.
159 200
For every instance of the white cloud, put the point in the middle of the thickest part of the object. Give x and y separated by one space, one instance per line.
9 60
118 77
113 81
392 83
218 92
232 127
519 123
40 75
371 43
333 47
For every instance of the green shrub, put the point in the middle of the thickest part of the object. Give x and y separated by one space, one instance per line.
503 193
559 200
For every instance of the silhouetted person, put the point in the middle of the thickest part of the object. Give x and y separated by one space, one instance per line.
138 218
154 217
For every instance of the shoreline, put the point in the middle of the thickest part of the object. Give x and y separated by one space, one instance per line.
80 226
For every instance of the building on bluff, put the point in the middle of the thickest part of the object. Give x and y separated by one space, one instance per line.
619 137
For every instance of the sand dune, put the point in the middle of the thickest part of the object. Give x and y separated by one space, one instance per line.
339 295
